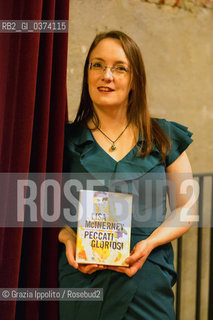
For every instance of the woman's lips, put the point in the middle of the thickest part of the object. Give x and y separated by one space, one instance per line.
105 89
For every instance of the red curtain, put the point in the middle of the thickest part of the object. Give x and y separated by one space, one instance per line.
32 115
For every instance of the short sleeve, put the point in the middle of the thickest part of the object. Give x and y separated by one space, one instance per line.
179 136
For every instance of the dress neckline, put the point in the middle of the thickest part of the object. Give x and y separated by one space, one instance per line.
105 152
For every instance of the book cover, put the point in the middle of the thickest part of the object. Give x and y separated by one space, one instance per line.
104 227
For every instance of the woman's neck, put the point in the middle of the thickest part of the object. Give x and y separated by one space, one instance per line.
111 119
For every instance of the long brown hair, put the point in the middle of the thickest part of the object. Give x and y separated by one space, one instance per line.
137 111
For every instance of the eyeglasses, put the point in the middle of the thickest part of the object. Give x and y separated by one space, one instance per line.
118 70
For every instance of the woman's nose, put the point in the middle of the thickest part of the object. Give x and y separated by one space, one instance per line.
107 74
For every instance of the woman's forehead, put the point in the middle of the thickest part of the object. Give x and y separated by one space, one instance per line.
108 49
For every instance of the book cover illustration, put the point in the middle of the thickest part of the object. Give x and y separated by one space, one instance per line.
104 227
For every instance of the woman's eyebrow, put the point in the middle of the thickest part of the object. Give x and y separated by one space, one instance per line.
118 61
98 58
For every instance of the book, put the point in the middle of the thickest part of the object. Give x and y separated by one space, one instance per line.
104 228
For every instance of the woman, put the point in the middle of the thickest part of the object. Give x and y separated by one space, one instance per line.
114 133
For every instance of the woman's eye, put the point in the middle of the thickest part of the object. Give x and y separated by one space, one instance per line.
121 68
97 65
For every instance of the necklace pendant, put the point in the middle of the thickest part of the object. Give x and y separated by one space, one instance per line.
113 147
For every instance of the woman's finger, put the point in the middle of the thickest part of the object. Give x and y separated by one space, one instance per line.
90 268
128 271
131 270
136 255
118 269
70 254
141 249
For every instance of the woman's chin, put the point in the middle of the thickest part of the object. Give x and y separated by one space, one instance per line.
109 104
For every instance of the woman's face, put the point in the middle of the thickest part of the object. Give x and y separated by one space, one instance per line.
107 88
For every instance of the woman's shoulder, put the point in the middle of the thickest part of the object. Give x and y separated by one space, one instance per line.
174 130
178 135
73 130
71 126
77 134
166 124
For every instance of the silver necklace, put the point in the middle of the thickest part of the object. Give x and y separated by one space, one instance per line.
113 147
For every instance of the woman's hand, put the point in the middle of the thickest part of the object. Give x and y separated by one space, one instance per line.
70 254
68 237
137 257
90 268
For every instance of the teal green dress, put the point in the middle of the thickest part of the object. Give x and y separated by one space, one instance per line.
148 294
